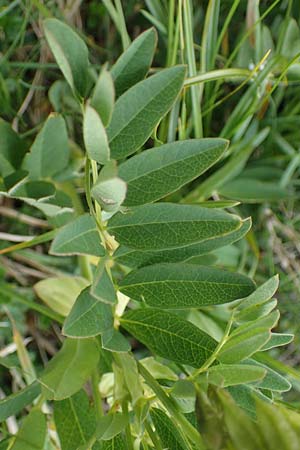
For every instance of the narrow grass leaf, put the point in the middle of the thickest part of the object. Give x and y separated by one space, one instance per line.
253 191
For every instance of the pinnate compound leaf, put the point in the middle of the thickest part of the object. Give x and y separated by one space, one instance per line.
169 336
79 237
75 420
103 97
14 403
60 293
225 375
166 226
70 52
136 258
49 154
32 434
88 317
69 369
159 171
134 63
139 110
94 136
250 190
178 286
166 430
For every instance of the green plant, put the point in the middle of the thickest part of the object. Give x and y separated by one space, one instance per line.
140 248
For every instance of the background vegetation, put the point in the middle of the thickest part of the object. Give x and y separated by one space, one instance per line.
242 84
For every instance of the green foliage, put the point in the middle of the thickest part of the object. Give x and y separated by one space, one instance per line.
166 340
70 52
79 237
163 226
183 161
170 336
75 420
179 286
139 110
133 65
69 369
26 439
49 153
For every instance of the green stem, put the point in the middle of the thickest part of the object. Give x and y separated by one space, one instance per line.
45 237
214 355
186 427
127 429
96 394
153 437
42 8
